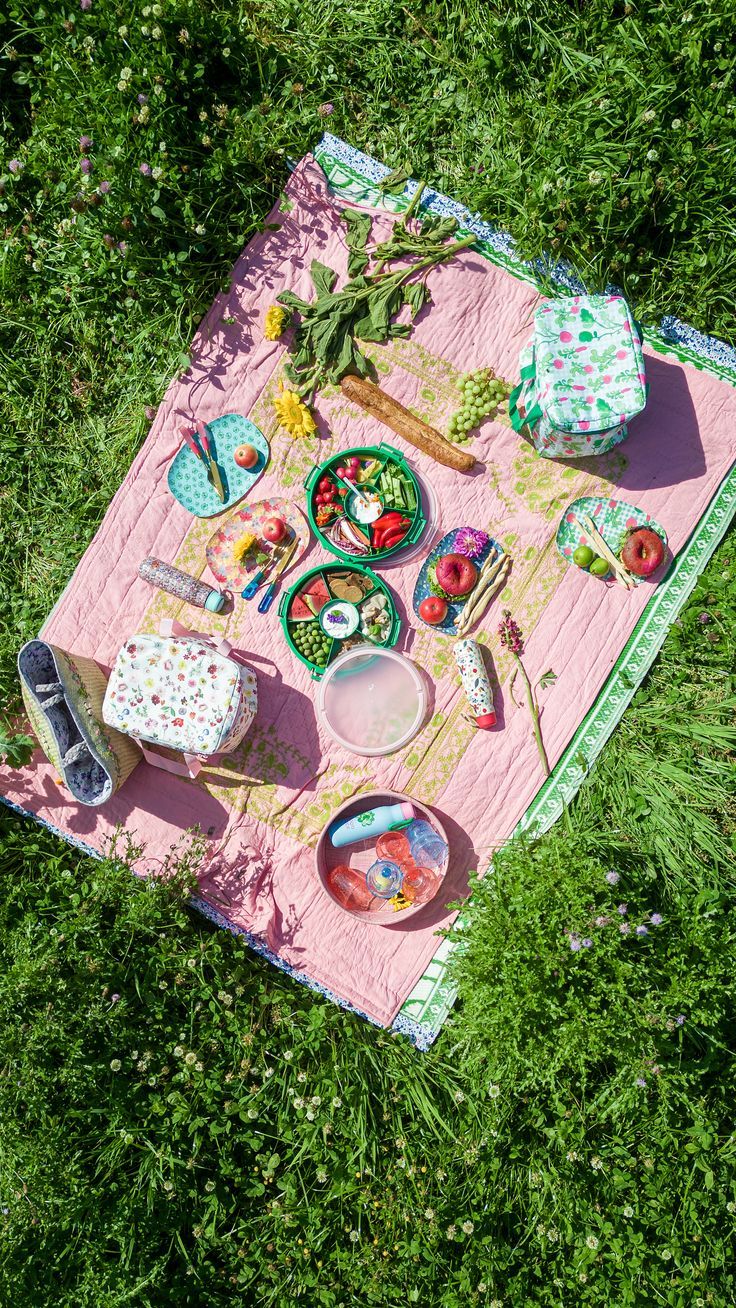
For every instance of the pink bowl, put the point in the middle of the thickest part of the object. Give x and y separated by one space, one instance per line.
363 853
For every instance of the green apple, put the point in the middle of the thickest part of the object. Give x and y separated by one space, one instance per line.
599 568
583 556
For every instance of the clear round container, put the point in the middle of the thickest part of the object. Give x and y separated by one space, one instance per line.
371 700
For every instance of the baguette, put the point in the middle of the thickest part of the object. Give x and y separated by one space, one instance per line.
393 415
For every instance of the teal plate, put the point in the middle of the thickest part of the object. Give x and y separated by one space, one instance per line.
614 519
422 589
188 480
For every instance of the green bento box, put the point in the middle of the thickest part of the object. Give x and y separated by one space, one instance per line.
389 480
329 610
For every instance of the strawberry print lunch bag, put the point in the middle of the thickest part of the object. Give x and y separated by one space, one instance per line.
183 691
583 376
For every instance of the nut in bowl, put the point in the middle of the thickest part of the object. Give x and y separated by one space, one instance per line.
388 877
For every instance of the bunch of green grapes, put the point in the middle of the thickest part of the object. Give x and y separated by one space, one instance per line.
482 394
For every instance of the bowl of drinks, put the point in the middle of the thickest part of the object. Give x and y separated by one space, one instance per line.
382 857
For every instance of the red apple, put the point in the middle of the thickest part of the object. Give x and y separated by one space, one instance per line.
433 610
273 530
246 456
455 574
643 552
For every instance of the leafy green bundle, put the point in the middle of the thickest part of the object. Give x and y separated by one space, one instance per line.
325 345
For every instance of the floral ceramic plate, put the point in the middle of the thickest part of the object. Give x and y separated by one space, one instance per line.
614 520
188 480
249 520
448 545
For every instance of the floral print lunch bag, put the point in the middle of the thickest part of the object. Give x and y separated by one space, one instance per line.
583 376
181 690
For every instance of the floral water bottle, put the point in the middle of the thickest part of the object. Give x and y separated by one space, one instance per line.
171 579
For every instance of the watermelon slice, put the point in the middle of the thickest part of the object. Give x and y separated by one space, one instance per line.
298 611
316 594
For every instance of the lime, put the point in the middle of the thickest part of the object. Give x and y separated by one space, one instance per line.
584 556
599 568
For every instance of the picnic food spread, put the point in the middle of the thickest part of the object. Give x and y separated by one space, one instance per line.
363 684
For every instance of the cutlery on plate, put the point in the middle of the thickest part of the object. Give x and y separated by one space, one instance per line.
259 576
215 477
282 564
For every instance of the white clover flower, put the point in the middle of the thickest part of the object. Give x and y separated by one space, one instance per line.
122 86
541 1229
252 1114
299 1102
191 962
652 155
429 1214
594 177
482 1287
199 1067
178 1051
267 1073
158 90
123 31
628 1211
288 1055
666 1255
572 1156
321 1175
553 1234
168 1186
209 1186
459 1097
582 1278
494 1091
648 116
336 1102
190 1058
300 1076
596 1163
157 174
203 115
676 124
468 1228
731 1207
115 1065
451 1232
354 1237
592 1241
156 10
310 1114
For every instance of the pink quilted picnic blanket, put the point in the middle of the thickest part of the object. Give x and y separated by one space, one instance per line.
263 809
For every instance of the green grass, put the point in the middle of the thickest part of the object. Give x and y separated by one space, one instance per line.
179 1124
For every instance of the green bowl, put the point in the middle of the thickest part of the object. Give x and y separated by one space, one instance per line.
325 572
384 454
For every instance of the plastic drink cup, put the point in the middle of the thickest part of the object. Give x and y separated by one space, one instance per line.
394 846
420 884
349 887
428 849
384 878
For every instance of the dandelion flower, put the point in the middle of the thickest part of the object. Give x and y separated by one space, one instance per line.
243 547
293 414
276 320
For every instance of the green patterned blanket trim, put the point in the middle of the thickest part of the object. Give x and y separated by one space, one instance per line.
353 176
